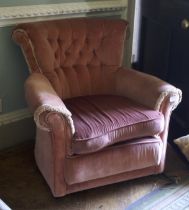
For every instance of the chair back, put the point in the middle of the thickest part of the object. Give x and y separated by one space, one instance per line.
78 56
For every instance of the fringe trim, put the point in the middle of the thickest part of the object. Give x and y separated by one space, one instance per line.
175 98
61 110
27 39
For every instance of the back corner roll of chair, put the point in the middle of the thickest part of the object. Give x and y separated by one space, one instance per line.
97 122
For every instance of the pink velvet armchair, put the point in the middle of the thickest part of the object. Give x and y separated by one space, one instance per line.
97 123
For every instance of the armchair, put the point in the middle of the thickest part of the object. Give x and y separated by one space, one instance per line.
97 122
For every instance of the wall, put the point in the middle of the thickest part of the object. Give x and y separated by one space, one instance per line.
13 72
129 46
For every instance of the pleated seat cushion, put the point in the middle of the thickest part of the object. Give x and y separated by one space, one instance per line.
104 120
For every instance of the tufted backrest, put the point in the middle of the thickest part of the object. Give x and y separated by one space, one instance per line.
78 56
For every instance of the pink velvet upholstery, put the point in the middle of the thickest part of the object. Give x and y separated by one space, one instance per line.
129 156
75 50
97 122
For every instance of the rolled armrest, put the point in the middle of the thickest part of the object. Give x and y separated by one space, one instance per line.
43 101
146 89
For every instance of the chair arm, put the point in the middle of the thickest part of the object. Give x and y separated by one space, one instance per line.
43 101
146 89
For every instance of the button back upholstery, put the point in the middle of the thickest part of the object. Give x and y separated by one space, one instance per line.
97 122
74 54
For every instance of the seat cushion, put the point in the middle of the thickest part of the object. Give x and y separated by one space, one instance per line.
104 120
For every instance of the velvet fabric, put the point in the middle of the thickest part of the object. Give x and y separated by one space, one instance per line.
77 83
87 50
98 124
139 154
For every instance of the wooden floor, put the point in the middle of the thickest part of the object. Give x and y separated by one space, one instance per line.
23 188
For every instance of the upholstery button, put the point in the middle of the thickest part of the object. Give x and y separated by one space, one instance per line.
56 55
49 40
67 53
60 41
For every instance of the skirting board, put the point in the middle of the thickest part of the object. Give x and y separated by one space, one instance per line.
14 116
15 128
